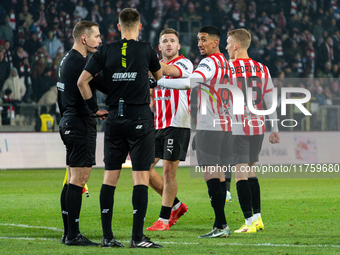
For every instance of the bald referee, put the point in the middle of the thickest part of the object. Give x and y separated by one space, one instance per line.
129 125
77 127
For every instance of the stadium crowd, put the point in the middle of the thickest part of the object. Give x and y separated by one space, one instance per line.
295 39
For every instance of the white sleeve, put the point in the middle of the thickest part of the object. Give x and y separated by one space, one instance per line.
185 67
206 68
268 100
181 83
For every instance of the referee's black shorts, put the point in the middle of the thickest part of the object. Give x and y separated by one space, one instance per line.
79 135
172 143
247 148
214 147
126 135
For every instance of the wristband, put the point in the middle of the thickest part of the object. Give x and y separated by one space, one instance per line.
92 104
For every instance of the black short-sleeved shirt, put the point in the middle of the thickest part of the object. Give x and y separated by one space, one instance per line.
125 65
70 100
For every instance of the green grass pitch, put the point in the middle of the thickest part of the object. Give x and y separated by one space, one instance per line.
301 216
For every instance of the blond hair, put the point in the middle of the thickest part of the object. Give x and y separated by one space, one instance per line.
241 36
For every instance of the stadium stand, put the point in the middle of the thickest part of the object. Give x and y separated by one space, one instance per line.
299 40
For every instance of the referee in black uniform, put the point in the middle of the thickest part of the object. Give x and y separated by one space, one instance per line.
77 127
130 124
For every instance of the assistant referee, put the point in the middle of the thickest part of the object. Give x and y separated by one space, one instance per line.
129 125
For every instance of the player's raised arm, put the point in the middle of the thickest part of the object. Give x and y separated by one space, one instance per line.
181 83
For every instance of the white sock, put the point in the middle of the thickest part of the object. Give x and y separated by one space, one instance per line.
256 216
166 221
176 206
249 221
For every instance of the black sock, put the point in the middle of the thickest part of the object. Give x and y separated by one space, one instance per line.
63 207
255 194
106 199
227 176
244 197
165 212
73 205
176 201
224 191
227 184
139 203
216 198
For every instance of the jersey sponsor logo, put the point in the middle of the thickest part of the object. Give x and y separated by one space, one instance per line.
139 126
182 65
61 86
128 76
204 65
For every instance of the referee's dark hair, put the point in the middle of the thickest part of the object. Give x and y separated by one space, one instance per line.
129 18
211 30
83 27
167 31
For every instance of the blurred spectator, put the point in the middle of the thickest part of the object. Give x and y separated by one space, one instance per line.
326 52
53 44
319 95
335 71
7 114
6 32
44 122
207 16
81 10
326 72
25 15
49 98
23 33
42 84
39 67
12 19
42 16
331 26
51 15
19 56
335 88
95 15
5 69
109 17
318 31
16 85
25 76
32 45
8 54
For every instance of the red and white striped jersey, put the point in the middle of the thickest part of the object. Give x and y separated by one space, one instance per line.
213 105
172 105
245 73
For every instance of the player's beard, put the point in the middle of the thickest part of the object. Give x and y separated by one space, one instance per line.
170 55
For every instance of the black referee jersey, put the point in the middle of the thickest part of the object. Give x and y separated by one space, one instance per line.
68 70
125 65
